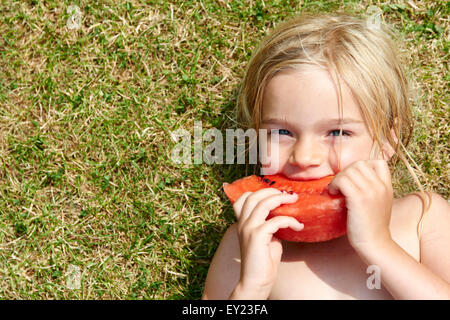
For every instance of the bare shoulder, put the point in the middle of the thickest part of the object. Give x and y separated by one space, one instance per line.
435 238
411 206
224 271
436 221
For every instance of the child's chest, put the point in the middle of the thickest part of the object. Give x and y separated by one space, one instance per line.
312 274
333 269
330 271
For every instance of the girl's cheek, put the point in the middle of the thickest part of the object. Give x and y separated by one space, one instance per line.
273 158
267 157
346 158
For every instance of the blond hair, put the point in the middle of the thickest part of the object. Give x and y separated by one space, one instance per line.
354 51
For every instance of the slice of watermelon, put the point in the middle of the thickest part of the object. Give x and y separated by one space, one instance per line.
324 216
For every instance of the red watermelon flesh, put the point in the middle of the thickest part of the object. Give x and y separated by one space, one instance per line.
324 216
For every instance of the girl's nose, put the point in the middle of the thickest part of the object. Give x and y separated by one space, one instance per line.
306 153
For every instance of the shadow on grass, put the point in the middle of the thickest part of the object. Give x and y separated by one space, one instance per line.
205 240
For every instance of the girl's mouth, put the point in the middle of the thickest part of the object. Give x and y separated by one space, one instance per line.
306 178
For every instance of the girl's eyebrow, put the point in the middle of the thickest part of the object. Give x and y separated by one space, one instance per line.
343 121
324 122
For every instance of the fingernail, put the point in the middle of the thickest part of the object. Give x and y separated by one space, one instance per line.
332 192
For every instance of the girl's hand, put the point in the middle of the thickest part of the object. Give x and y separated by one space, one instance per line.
260 250
367 188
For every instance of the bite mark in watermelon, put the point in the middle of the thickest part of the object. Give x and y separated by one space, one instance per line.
324 216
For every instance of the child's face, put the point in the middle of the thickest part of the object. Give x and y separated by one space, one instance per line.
303 108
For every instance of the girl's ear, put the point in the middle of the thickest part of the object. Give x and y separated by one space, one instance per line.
387 150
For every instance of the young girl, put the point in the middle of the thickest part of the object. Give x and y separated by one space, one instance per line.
333 90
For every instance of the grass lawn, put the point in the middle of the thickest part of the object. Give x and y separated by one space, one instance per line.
86 115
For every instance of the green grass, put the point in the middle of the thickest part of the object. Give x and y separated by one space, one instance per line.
86 177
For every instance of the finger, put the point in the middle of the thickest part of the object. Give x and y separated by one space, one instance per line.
362 175
342 184
368 170
382 170
237 206
252 200
276 249
266 230
359 175
375 171
261 211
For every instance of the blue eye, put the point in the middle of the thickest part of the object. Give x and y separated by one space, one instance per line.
283 132
335 133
